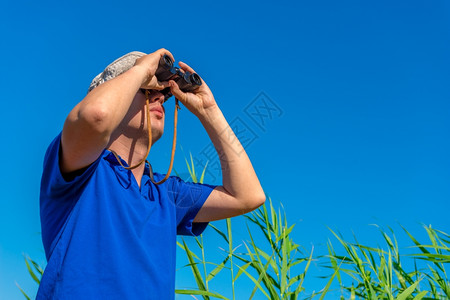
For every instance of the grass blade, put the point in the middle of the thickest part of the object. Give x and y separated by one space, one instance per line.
420 295
203 293
23 292
325 290
406 293
194 268
31 271
203 173
254 281
219 232
219 268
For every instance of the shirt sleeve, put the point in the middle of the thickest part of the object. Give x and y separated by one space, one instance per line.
53 182
189 197
58 195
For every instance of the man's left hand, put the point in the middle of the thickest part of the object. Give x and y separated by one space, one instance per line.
200 101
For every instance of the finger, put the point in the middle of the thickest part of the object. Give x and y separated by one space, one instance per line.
163 51
160 85
175 90
186 67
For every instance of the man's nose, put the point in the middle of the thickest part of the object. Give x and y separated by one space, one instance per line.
157 96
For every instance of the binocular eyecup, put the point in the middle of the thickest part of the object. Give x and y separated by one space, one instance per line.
166 71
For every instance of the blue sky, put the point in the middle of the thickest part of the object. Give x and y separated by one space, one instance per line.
344 106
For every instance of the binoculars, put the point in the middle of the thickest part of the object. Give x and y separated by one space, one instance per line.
187 81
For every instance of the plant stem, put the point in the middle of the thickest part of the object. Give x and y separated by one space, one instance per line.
230 246
204 262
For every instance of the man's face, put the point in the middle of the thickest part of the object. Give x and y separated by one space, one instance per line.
156 111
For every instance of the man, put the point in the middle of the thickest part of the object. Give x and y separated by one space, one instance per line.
109 232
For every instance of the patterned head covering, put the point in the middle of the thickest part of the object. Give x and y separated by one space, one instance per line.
117 67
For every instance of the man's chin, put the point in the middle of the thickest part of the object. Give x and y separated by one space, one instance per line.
156 135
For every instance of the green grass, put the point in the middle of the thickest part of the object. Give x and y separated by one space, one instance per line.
361 272
279 268
356 271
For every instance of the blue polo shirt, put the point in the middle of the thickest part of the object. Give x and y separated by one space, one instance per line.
106 238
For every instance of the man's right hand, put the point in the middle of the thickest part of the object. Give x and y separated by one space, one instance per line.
149 63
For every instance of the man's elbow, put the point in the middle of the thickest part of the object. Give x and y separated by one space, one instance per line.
256 201
96 117
261 200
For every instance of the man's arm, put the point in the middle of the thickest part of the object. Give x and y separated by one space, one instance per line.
88 128
241 191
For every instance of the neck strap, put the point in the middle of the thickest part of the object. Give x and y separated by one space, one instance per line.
149 128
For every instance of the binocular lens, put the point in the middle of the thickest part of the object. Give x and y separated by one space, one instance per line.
167 71
167 60
195 79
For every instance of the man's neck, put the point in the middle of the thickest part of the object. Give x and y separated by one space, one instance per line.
133 151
